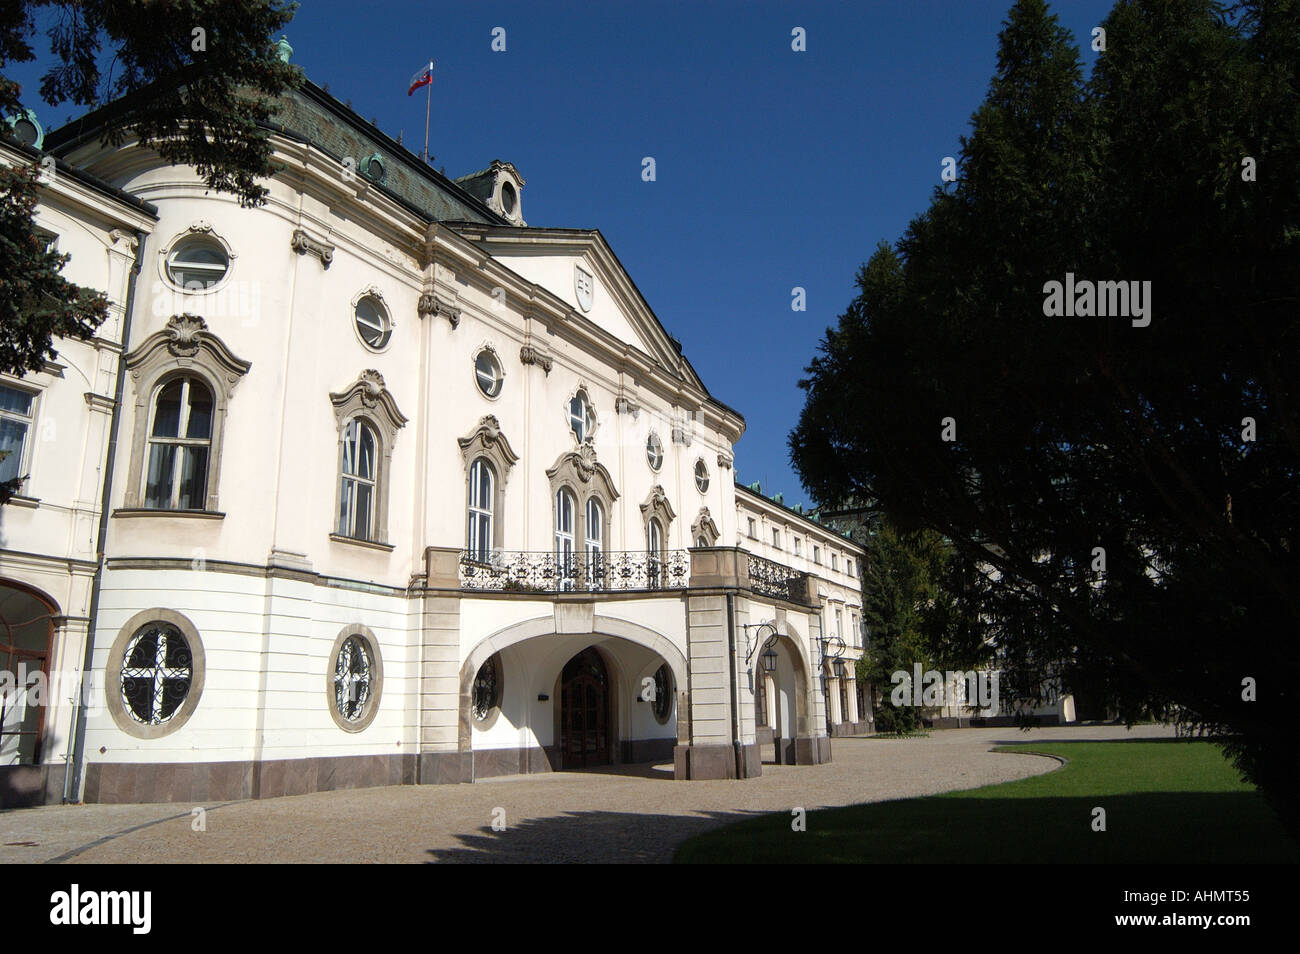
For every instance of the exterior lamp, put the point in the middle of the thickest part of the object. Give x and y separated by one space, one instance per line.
765 638
839 669
769 661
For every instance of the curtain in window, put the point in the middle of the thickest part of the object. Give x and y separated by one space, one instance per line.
357 494
179 444
479 536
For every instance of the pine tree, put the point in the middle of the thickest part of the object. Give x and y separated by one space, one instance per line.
1101 467
193 80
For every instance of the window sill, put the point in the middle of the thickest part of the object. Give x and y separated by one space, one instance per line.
150 512
357 542
22 500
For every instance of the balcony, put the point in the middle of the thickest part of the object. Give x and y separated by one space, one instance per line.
777 580
516 571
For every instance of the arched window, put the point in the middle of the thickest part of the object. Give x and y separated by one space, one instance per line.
565 515
180 439
654 537
654 544
359 476
595 541
184 377
482 485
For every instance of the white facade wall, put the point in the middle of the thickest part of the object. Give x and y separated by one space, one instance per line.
48 532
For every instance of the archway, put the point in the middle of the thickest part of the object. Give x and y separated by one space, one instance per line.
26 636
784 701
586 739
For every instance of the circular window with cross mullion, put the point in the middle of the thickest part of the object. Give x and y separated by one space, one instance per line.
155 674
354 678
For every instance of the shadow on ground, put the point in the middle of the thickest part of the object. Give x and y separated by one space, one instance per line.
1141 828
585 837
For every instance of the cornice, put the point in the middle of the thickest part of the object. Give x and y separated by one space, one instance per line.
448 247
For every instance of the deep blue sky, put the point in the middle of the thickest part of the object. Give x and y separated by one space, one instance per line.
775 168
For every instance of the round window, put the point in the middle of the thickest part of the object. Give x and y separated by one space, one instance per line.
372 322
197 263
487 689
157 672
487 371
663 700
701 476
654 451
508 198
354 679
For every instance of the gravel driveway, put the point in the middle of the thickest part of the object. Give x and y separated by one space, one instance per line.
633 814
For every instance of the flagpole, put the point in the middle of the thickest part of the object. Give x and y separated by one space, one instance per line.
428 102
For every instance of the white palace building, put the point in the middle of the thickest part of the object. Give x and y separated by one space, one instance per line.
376 484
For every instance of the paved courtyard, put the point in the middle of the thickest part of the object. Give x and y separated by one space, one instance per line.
631 814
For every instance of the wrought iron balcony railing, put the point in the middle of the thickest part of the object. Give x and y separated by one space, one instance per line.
541 572
775 579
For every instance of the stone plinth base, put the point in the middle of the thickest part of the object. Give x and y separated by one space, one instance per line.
702 762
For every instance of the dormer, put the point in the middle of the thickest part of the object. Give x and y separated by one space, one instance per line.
500 187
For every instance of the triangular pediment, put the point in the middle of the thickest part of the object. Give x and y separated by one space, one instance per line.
579 268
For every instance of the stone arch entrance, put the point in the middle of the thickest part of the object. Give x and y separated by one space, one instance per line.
535 731
586 726
26 639
784 702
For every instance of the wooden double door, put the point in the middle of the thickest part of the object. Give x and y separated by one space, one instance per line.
585 712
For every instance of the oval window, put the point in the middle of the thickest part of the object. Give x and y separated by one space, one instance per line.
701 476
487 371
372 323
354 679
654 451
197 263
487 689
663 700
157 672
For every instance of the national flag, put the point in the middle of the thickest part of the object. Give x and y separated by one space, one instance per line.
422 78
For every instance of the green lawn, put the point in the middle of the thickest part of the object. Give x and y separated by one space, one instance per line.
1165 801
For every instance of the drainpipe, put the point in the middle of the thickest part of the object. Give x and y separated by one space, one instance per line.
74 779
735 698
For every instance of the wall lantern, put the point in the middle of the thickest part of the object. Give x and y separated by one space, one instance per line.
769 661
765 638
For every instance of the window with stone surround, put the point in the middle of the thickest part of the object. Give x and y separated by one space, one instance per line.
368 420
487 690
354 678
184 377
155 673
489 460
